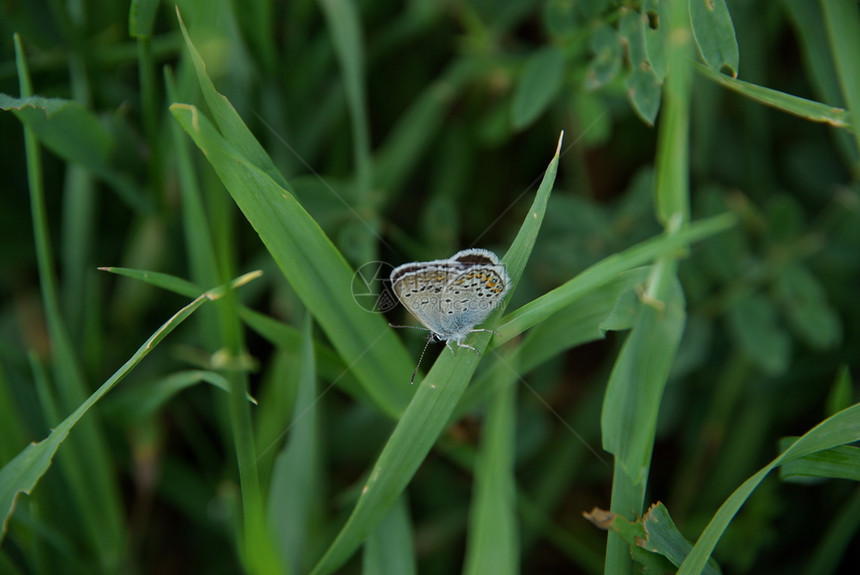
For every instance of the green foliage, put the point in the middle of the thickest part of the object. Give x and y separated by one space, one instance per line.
715 35
538 85
684 286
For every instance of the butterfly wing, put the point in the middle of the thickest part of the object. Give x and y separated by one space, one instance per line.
450 297
419 288
470 297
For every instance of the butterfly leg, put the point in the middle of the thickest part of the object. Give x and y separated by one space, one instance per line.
461 344
492 331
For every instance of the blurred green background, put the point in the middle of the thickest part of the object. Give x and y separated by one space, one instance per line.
463 103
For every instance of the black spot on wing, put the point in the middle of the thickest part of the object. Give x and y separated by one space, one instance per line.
474 260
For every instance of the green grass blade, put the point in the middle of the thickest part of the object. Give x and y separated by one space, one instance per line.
101 491
654 540
839 396
288 338
843 24
178 285
806 109
143 400
257 550
389 549
229 122
296 497
586 319
629 416
840 429
345 31
159 279
663 537
631 405
659 535
314 267
627 496
254 19
605 271
628 419
430 409
362 339
140 26
141 18
807 21
24 471
493 543
78 228
203 268
841 462
518 255
813 37
672 163
344 27
77 231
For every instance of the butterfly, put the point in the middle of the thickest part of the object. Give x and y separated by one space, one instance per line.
450 297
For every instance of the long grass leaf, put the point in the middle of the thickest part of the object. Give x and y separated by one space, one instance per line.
582 321
841 462
296 491
493 542
840 429
606 270
345 30
389 549
628 419
801 107
316 270
229 122
629 416
100 491
160 279
276 332
202 266
24 471
662 536
141 401
843 24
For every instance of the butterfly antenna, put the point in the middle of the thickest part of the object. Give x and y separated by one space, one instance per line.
420 357
407 326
